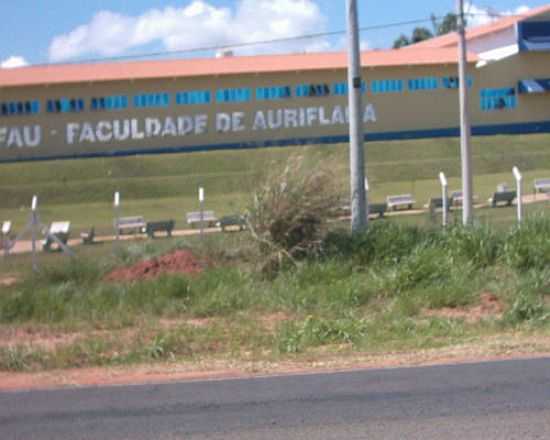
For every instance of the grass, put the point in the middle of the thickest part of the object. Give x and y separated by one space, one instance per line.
365 293
159 187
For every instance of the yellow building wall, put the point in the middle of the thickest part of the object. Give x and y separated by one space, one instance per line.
423 113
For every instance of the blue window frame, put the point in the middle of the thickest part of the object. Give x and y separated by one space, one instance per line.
341 88
452 82
386 86
233 95
193 97
312 90
498 99
423 83
17 108
273 93
65 105
152 100
110 103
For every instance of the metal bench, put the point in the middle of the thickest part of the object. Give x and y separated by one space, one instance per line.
160 226
130 225
6 229
400 201
436 203
232 222
541 185
88 236
506 197
5 239
206 218
377 209
59 230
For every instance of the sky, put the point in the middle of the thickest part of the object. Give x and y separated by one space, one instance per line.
58 31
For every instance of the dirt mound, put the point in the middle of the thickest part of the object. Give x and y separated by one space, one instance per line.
181 261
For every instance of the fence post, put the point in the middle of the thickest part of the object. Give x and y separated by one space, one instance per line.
444 200
201 203
519 195
116 206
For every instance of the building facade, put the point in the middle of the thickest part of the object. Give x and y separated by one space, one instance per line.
152 107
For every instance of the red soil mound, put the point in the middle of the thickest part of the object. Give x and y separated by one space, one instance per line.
181 261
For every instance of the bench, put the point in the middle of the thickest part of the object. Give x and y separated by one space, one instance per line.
88 236
541 185
502 197
130 225
456 198
206 218
377 209
159 226
400 201
5 242
436 203
59 230
232 221
6 229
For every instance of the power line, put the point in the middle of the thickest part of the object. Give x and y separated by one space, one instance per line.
262 42
243 45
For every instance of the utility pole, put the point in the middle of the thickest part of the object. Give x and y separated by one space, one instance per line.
357 155
465 131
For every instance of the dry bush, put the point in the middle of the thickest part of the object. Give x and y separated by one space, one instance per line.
290 208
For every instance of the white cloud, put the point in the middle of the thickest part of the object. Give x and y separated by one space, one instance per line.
197 24
13 61
480 15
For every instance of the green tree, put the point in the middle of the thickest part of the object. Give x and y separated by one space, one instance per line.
420 34
448 24
402 41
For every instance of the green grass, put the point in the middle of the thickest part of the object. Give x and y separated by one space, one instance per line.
165 186
368 293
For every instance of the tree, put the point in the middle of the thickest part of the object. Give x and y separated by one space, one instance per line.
447 25
402 41
420 34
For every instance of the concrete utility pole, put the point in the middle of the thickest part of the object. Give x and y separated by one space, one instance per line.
357 155
465 131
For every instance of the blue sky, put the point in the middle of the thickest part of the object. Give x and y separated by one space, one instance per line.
67 30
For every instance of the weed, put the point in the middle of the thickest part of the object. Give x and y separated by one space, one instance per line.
527 246
295 337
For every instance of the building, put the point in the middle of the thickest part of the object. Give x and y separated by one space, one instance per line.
150 107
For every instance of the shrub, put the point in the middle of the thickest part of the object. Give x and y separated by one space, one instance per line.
289 210
313 331
382 242
527 246
478 244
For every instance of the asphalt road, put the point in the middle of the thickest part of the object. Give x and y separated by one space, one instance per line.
501 400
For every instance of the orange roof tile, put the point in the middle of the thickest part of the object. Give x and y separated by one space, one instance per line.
139 70
450 40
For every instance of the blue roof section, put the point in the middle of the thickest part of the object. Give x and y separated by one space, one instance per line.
534 36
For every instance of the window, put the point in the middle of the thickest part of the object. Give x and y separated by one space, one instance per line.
149 100
18 108
386 86
423 83
452 82
498 99
341 88
233 95
312 90
273 93
65 105
193 97
117 102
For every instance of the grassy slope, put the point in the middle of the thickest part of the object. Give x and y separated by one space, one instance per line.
165 186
